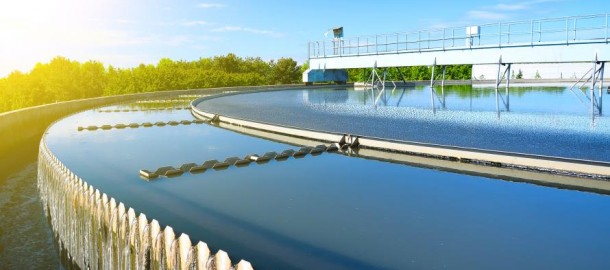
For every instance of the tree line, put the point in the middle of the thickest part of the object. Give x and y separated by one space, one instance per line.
417 73
62 79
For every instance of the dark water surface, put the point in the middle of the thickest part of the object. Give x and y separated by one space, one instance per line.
338 212
539 120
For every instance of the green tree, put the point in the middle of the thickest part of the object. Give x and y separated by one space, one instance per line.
285 71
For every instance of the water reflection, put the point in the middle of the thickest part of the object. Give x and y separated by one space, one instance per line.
334 211
535 120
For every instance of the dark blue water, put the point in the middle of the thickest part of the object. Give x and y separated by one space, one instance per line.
332 211
544 120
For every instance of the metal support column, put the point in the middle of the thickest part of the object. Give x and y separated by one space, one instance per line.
593 81
497 85
432 77
443 87
601 87
432 87
402 76
507 103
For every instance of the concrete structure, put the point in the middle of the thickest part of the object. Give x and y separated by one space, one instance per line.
582 39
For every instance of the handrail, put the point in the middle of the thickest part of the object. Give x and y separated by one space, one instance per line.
549 31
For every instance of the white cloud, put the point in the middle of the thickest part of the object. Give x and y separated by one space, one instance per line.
247 30
511 7
503 11
211 5
486 15
193 23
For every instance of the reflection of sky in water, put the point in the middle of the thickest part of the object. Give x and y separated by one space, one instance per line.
544 121
332 211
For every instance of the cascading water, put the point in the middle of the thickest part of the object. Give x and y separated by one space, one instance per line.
100 233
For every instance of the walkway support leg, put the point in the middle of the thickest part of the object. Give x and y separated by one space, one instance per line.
601 87
593 80
497 85
507 87
432 87
443 86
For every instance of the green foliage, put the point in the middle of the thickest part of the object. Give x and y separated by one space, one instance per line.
63 79
520 74
417 73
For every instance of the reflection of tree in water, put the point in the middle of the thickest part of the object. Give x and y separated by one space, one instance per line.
467 91
327 96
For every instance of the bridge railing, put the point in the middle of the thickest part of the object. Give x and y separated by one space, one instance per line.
552 31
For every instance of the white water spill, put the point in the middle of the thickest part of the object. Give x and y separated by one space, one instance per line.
100 233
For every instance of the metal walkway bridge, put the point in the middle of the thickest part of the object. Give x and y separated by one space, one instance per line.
578 39
555 40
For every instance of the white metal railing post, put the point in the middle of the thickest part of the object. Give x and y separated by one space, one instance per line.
386 43
606 28
539 31
452 37
499 34
508 35
444 38
532 34
397 38
574 29
419 41
567 31
324 47
407 41
308 50
376 45
358 48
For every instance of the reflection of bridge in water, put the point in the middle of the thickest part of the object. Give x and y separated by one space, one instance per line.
580 39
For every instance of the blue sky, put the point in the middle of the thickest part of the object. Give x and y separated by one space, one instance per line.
125 33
